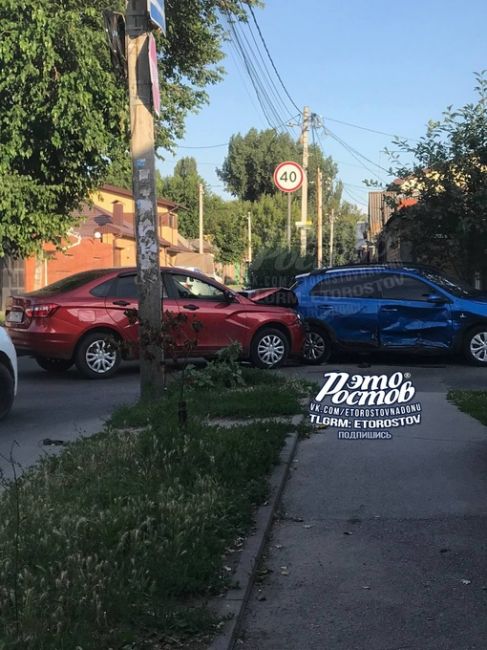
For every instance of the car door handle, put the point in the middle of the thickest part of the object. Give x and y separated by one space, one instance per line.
190 307
390 309
121 303
325 307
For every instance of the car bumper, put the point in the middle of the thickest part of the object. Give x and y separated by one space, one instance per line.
42 343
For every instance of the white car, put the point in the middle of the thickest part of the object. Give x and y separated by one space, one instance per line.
8 373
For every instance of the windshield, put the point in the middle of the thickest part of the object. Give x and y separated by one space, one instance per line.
453 285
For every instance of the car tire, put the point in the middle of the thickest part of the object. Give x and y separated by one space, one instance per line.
269 348
54 365
316 347
7 391
98 355
475 346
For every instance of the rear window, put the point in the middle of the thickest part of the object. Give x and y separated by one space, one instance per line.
70 283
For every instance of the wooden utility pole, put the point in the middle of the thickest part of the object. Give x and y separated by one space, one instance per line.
319 218
304 190
332 221
201 193
289 209
249 226
144 189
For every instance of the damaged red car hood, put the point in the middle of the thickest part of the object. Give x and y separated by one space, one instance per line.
278 296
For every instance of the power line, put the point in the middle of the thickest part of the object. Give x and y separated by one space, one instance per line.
272 61
264 68
357 155
366 128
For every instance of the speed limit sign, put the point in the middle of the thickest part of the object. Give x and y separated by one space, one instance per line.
288 176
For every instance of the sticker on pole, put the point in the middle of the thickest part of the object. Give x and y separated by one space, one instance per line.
288 176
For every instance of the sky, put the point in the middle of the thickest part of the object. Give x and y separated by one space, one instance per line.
384 66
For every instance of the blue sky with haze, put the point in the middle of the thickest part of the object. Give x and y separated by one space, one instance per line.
381 65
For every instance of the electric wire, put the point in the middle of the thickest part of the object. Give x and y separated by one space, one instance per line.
272 61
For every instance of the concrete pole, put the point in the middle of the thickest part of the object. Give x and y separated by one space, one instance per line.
144 189
249 224
332 222
304 190
201 193
319 218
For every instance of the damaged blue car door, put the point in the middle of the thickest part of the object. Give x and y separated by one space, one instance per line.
413 314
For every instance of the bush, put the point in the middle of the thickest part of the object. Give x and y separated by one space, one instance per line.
277 267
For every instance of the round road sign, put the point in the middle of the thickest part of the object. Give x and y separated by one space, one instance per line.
288 176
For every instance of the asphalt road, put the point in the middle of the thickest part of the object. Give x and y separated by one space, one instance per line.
382 544
60 407
63 407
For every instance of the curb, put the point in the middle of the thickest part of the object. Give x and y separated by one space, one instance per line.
234 602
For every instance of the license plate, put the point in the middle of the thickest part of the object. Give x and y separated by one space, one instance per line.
15 317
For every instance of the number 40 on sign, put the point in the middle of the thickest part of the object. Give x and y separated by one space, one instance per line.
288 176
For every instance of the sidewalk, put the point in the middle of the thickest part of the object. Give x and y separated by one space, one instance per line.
382 544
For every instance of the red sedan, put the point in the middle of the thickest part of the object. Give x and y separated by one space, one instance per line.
82 320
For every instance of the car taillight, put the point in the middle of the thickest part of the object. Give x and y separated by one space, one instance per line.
41 311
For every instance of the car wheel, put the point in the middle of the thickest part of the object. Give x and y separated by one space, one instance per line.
476 346
7 391
269 349
316 347
54 365
98 355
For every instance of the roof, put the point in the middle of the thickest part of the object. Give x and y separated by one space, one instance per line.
166 203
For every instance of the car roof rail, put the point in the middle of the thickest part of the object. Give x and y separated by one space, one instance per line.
375 265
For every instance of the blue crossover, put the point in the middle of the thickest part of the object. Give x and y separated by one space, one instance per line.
390 307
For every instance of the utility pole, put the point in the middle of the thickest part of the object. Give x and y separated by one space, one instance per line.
201 192
249 225
304 191
332 221
319 218
144 189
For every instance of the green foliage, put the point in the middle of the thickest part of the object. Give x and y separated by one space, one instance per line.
183 188
473 402
224 220
224 371
277 267
248 169
120 532
64 114
448 225
226 223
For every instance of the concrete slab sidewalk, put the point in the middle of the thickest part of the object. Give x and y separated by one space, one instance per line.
382 544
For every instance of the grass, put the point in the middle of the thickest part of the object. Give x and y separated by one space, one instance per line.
118 538
473 402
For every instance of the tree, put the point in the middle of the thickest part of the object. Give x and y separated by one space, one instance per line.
182 188
249 166
447 226
64 114
226 224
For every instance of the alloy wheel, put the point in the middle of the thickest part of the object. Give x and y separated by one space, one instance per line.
101 356
478 347
271 349
314 346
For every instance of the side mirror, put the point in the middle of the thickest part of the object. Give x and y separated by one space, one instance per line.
229 296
